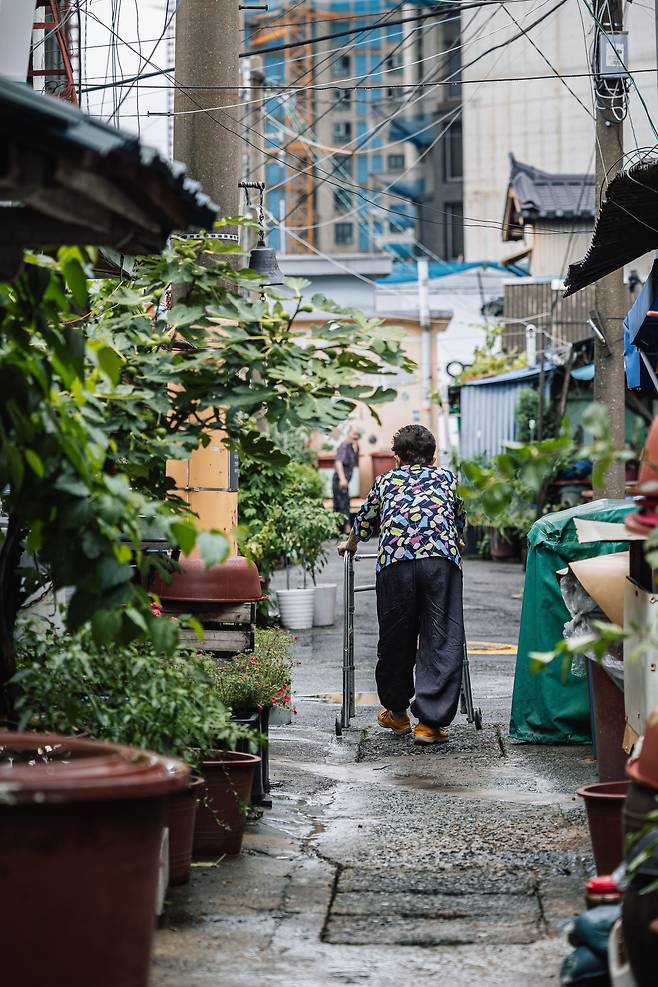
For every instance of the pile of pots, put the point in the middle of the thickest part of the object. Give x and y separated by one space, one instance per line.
81 832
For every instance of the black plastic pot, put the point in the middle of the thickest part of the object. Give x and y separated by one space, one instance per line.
259 721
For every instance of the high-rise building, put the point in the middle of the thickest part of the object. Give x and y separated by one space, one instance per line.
352 134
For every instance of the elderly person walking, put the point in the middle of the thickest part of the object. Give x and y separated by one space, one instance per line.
415 510
347 457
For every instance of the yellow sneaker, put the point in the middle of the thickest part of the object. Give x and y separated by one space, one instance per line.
429 735
398 724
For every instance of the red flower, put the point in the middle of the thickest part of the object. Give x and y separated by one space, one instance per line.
279 692
155 609
252 661
259 707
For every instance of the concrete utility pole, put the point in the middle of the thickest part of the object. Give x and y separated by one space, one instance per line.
610 300
207 48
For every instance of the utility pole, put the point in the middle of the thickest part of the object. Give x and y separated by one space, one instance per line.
207 49
208 75
610 303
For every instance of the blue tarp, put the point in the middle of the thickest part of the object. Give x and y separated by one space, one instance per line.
583 373
408 272
641 332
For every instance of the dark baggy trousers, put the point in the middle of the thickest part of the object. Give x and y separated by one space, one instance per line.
421 624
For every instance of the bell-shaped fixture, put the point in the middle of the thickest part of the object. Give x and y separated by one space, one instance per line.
262 258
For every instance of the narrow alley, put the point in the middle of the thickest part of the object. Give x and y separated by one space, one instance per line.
383 863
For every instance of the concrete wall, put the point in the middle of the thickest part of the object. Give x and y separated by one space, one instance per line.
539 121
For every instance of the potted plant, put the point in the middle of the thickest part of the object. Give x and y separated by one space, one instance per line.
130 695
303 529
256 685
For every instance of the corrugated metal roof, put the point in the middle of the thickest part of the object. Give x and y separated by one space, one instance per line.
510 377
71 179
488 411
624 227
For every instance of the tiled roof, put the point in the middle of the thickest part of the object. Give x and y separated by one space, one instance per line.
541 195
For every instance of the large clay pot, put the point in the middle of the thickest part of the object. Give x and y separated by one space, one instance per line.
80 834
221 815
503 545
382 462
235 579
181 816
604 802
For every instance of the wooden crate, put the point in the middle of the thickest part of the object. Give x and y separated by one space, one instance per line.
229 627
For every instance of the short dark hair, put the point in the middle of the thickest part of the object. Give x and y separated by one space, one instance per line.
414 445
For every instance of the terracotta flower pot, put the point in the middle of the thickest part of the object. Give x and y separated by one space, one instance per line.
604 802
181 816
221 815
382 462
235 579
80 833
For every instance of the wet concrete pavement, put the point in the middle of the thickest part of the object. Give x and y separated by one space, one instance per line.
383 863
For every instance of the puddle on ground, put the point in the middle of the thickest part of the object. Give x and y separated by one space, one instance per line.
355 774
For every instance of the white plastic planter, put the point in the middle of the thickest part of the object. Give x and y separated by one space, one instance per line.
296 607
324 609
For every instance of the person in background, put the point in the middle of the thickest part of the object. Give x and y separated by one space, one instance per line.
420 521
347 457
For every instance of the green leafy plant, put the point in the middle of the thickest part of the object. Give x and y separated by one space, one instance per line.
128 695
259 679
489 359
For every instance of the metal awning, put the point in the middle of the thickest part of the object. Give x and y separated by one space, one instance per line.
68 179
626 227
641 336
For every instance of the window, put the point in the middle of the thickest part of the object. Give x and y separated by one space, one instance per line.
394 60
343 165
452 153
342 200
342 131
342 99
343 233
341 66
453 64
454 230
395 162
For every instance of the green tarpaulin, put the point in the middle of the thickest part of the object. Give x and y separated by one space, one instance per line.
551 706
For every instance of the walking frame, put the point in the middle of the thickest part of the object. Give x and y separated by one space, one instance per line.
473 714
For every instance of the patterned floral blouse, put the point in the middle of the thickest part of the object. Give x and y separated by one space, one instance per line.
417 513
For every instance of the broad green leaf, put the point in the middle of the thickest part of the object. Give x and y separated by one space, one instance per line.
110 363
105 625
185 535
35 463
76 281
163 634
213 547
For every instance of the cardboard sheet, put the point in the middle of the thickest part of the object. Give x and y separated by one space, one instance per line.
590 531
603 578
